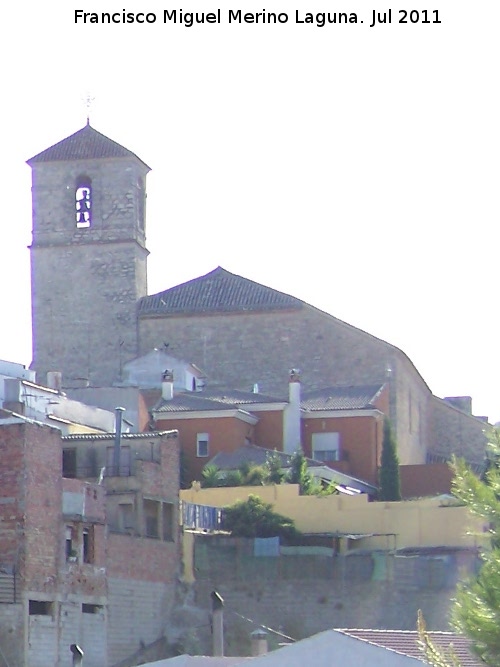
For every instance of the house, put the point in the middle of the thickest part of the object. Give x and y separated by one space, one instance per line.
89 258
342 648
90 558
20 394
338 427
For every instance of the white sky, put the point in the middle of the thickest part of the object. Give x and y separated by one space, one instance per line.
353 167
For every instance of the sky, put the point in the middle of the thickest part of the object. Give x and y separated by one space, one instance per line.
354 167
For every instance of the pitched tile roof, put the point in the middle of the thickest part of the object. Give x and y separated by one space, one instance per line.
189 402
341 398
216 292
239 397
86 144
406 642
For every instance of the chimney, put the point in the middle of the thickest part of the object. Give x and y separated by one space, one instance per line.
54 380
463 403
167 385
77 655
291 415
118 441
258 640
217 624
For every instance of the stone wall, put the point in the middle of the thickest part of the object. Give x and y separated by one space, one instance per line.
241 349
310 590
86 282
457 432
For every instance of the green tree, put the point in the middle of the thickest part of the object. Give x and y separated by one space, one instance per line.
298 474
389 482
433 655
476 611
255 518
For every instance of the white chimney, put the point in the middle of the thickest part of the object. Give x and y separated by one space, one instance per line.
54 380
258 640
291 416
167 385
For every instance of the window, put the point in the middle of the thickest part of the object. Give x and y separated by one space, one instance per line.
83 202
71 554
326 447
88 544
168 521
202 444
69 462
126 518
151 515
91 608
40 608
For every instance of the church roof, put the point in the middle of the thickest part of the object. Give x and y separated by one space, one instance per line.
86 144
216 292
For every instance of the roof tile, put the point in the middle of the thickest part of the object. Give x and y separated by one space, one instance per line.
217 291
86 144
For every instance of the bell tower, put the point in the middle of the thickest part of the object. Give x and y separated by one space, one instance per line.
88 257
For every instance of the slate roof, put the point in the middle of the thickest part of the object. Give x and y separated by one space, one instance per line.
216 292
86 144
406 642
357 397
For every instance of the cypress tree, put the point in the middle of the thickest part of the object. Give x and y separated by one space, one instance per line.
389 482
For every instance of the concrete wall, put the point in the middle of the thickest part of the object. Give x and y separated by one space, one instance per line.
420 523
138 612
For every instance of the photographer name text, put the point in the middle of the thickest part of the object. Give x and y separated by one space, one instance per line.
190 19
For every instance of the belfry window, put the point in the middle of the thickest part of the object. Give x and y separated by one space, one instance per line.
83 202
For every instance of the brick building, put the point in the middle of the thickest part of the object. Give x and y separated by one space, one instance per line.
88 259
71 571
340 427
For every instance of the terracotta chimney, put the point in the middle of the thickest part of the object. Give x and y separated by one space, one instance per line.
167 385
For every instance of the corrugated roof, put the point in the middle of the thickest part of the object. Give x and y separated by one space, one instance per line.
217 291
406 642
124 436
86 144
341 398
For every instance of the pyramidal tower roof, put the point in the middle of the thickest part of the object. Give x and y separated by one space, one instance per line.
86 144
216 292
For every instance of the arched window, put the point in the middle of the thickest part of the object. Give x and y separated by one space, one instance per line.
83 202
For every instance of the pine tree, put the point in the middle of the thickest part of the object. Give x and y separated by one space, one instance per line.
477 606
390 486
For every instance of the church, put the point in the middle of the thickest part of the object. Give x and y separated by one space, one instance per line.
91 312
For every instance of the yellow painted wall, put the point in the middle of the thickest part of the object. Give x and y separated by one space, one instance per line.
427 522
